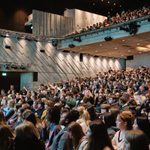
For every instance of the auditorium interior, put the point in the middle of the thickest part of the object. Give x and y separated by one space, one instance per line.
75 75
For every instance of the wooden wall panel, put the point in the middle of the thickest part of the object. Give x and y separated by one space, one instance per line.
47 24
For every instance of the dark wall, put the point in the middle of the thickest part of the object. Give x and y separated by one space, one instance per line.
13 18
12 78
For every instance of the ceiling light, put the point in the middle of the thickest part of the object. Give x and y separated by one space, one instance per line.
148 46
143 49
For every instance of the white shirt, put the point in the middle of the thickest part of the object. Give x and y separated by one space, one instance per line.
119 140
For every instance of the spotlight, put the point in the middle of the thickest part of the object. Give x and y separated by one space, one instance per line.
78 39
7 66
13 66
108 38
22 67
55 42
71 45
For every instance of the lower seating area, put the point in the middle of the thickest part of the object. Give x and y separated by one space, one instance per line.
108 111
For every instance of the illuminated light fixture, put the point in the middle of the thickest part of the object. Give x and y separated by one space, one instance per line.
4 74
143 49
7 34
148 46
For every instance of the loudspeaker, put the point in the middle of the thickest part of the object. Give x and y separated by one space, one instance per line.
42 50
108 38
130 57
35 76
8 46
81 57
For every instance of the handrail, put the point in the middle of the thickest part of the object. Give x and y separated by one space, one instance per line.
106 28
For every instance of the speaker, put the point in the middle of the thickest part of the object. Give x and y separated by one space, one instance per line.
81 57
8 46
130 57
35 76
108 38
42 50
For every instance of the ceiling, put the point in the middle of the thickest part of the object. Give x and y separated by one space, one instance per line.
117 48
103 7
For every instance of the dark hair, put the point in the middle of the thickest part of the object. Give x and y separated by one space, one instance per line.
109 119
137 140
92 113
98 138
53 114
73 115
2 117
77 133
28 115
6 137
27 137
143 124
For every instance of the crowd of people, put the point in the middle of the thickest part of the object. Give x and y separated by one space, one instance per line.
108 112
118 18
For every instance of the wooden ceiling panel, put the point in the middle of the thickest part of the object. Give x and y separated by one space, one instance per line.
121 47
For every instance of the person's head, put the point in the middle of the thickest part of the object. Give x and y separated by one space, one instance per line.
76 133
92 112
53 115
27 136
142 123
136 140
73 115
109 119
97 136
28 115
125 120
6 137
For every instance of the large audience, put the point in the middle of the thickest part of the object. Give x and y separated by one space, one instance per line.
110 111
118 18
